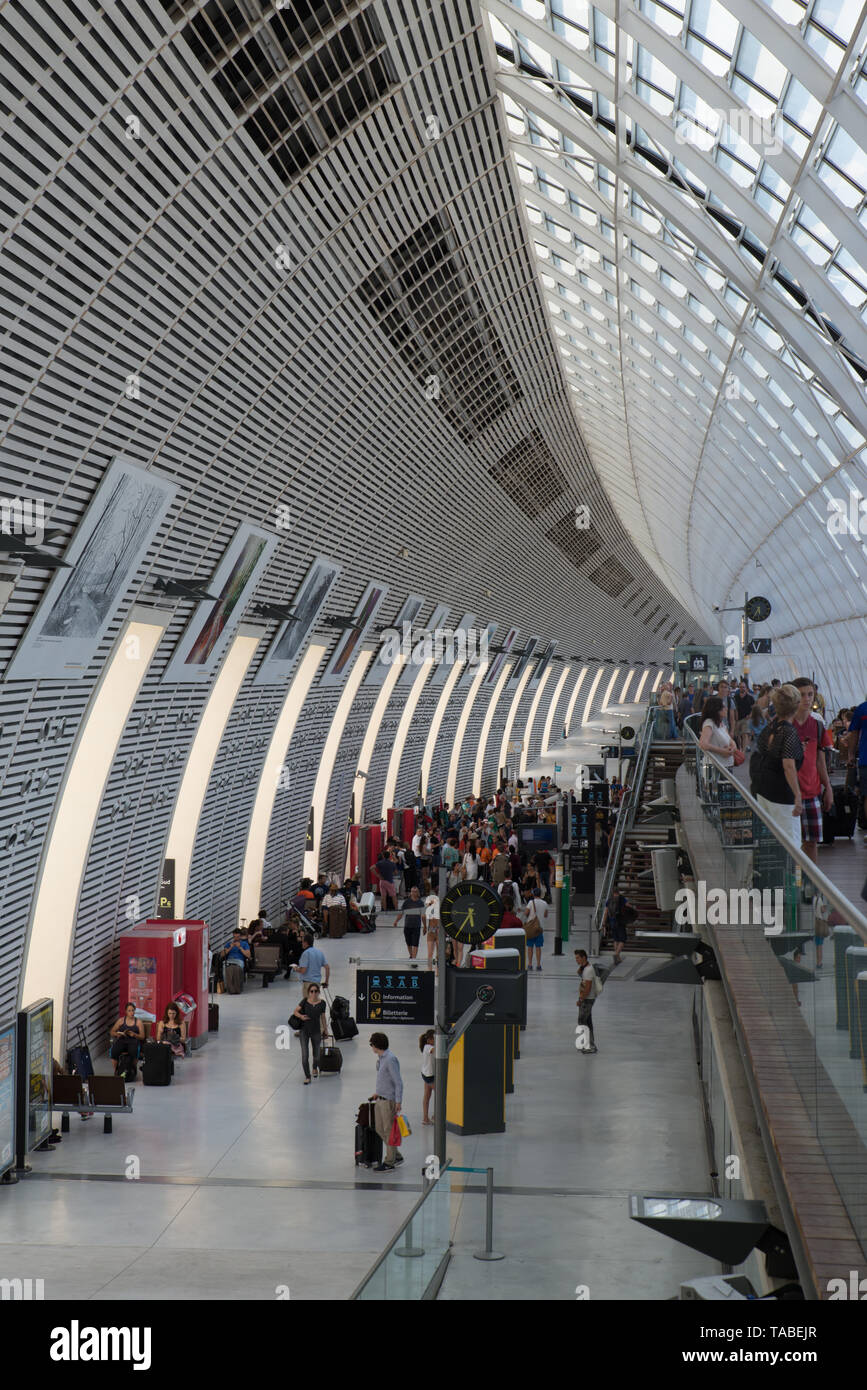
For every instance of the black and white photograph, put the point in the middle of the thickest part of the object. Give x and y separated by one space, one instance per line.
291 638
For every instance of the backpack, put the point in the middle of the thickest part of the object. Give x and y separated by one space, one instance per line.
762 758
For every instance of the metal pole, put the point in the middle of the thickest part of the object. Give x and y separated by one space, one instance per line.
489 1253
441 1060
408 1251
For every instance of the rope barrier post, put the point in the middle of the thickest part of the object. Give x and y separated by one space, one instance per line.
489 1253
408 1251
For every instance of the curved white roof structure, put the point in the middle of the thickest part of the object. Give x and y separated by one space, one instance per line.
694 177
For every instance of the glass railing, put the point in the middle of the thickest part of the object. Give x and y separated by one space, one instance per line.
807 945
412 1266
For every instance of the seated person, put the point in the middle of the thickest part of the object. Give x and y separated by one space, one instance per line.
333 898
128 1034
172 1029
305 900
236 953
319 888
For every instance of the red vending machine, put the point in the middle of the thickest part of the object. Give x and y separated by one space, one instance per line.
365 847
151 968
194 986
401 823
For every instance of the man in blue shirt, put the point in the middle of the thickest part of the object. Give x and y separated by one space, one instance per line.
311 965
235 954
858 743
387 1099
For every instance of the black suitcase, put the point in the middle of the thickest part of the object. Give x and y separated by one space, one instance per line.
213 1018
80 1062
157 1065
844 817
330 1060
343 1027
339 1007
368 1147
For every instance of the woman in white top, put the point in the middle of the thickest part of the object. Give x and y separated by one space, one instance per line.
715 736
426 1048
471 862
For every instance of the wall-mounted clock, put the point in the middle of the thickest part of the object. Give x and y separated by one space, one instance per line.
471 912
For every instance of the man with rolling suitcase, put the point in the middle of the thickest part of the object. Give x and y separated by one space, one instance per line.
387 1099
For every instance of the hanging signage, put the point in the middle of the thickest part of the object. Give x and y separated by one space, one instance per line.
394 996
166 904
759 646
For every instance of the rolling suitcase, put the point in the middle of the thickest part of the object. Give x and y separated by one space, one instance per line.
842 820
80 1063
330 1060
368 1145
157 1064
213 1018
336 922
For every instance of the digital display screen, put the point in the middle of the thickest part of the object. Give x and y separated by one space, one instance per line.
538 836
35 1075
7 1097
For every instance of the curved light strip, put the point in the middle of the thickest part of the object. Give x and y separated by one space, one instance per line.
607 695
271 780
200 760
622 700
567 722
510 719
371 734
397 747
478 771
589 701
319 799
636 699
531 718
552 709
460 732
439 714
659 676
52 925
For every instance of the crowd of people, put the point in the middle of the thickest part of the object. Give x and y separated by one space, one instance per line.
793 747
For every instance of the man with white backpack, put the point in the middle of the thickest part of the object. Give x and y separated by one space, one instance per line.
591 988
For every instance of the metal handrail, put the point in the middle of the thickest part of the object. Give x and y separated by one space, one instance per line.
854 917
400 1231
626 818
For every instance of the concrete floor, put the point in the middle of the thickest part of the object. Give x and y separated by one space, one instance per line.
248 1187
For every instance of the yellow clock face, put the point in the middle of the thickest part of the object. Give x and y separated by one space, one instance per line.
471 913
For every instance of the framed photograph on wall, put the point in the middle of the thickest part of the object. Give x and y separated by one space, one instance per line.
422 650
291 639
543 662
451 647
497 662
393 641
105 553
479 644
520 664
211 626
349 642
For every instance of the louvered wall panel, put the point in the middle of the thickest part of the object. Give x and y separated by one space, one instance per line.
259 387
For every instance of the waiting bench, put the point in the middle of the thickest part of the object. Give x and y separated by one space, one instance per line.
102 1095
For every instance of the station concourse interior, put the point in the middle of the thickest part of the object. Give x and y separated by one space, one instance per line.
399 399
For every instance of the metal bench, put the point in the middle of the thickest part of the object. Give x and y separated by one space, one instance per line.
100 1095
266 962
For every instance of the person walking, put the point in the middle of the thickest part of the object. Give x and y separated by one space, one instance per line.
431 923
587 996
816 792
426 1048
614 918
387 1100
311 965
715 734
311 1011
412 910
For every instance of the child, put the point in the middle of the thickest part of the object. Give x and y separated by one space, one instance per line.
426 1048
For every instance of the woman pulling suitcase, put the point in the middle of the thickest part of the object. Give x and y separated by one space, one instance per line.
312 1013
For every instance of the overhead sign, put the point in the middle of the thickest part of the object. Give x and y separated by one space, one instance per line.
698 662
166 907
394 996
759 646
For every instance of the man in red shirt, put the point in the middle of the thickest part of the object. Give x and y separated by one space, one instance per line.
510 919
813 778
